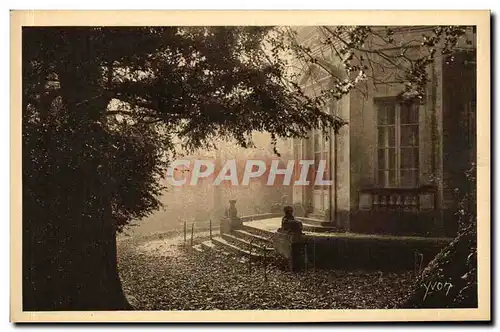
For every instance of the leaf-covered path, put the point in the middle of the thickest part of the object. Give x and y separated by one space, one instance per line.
158 274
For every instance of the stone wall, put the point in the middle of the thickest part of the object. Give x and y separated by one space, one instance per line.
372 252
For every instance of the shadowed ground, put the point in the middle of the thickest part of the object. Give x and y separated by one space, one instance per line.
159 274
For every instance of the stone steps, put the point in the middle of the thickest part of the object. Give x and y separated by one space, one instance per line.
263 240
257 231
243 243
198 248
255 244
227 246
209 246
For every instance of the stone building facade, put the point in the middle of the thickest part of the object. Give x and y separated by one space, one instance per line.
395 167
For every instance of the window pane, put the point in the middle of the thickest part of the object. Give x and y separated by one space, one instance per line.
392 158
386 136
382 176
409 158
386 114
382 164
382 137
409 135
386 158
391 132
382 114
409 113
409 178
392 178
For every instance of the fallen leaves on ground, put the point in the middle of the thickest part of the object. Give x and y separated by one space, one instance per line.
164 276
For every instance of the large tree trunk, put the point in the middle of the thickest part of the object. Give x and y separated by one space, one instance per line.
71 265
69 237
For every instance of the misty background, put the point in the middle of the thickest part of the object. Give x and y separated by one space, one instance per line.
198 204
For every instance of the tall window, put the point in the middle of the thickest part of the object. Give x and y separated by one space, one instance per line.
321 153
397 151
297 156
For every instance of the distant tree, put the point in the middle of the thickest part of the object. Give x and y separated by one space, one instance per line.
100 109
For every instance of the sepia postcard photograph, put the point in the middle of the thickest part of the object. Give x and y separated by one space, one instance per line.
250 166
